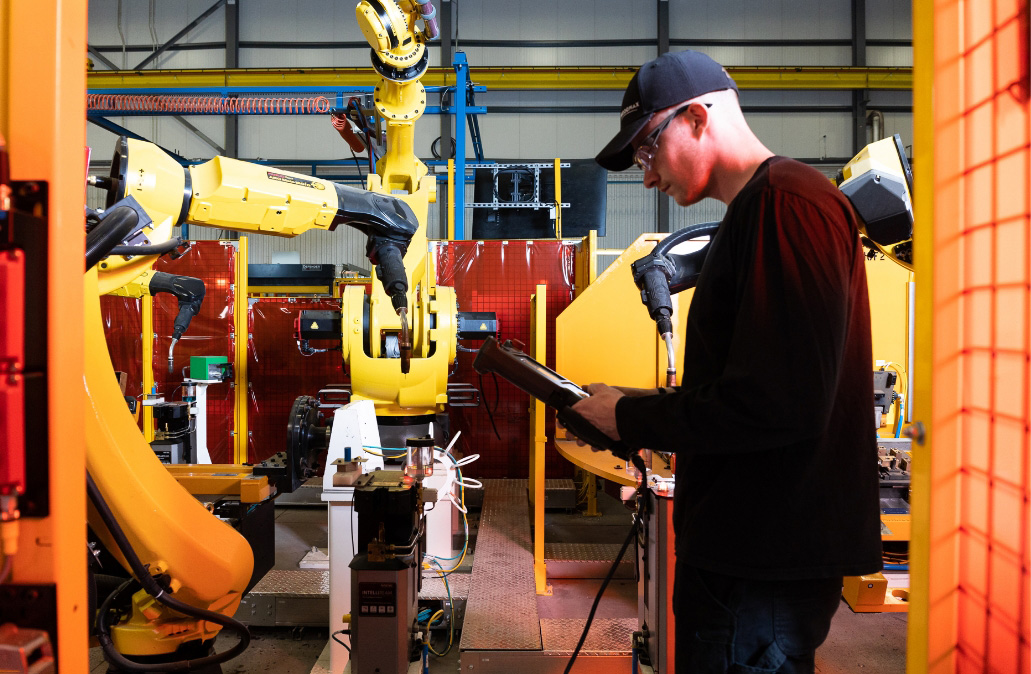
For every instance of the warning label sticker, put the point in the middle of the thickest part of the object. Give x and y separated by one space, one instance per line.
295 180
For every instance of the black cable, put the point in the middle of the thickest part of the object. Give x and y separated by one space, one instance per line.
358 164
111 231
156 249
150 584
435 148
497 395
369 133
638 462
334 635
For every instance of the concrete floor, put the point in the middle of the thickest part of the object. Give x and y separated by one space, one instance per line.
870 642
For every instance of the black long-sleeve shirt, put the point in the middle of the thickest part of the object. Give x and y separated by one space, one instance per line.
773 425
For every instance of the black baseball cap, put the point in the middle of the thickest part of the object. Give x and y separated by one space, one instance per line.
658 84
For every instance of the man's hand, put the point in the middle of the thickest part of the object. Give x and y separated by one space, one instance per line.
639 392
600 409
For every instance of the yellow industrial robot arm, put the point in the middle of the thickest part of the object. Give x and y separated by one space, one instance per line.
244 197
153 526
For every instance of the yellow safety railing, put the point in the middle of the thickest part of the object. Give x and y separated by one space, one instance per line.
538 439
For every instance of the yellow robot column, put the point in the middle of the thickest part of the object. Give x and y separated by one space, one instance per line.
371 329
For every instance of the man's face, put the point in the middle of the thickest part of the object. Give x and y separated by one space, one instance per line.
668 149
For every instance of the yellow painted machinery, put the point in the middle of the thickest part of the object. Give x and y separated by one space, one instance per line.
187 562
400 57
190 569
879 184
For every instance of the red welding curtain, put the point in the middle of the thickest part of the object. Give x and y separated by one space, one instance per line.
500 276
279 372
210 334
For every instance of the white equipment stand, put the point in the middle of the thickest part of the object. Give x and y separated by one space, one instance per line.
354 427
200 414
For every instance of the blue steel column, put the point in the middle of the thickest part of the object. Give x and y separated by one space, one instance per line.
461 83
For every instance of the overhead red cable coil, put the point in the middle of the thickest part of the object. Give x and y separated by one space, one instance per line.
206 105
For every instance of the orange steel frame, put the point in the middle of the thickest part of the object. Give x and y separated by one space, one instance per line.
42 117
971 481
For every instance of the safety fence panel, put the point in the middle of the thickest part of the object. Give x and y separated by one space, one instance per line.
976 262
123 325
279 372
210 334
500 276
497 276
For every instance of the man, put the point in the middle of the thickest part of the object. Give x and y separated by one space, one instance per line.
777 494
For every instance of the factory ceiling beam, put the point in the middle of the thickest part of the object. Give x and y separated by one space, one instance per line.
447 122
693 43
203 136
175 38
100 57
499 78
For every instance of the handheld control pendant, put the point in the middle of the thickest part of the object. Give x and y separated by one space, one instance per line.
549 387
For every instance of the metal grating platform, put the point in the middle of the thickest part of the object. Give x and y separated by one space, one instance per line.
289 583
501 611
586 560
287 598
608 636
559 493
433 587
315 583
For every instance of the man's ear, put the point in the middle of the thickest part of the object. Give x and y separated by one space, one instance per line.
697 115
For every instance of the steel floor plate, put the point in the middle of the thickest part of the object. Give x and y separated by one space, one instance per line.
433 586
501 611
608 636
586 560
315 583
293 583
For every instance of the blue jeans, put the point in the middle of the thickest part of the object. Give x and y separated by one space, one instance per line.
727 625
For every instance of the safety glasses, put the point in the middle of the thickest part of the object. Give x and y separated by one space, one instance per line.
649 146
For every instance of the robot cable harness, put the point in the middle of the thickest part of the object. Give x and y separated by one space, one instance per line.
151 585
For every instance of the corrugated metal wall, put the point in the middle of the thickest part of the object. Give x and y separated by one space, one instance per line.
531 134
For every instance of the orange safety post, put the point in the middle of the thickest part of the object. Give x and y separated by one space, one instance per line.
971 481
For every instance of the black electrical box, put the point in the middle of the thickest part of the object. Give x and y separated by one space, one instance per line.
477 324
319 324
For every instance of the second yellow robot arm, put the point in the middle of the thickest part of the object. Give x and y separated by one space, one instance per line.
189 292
